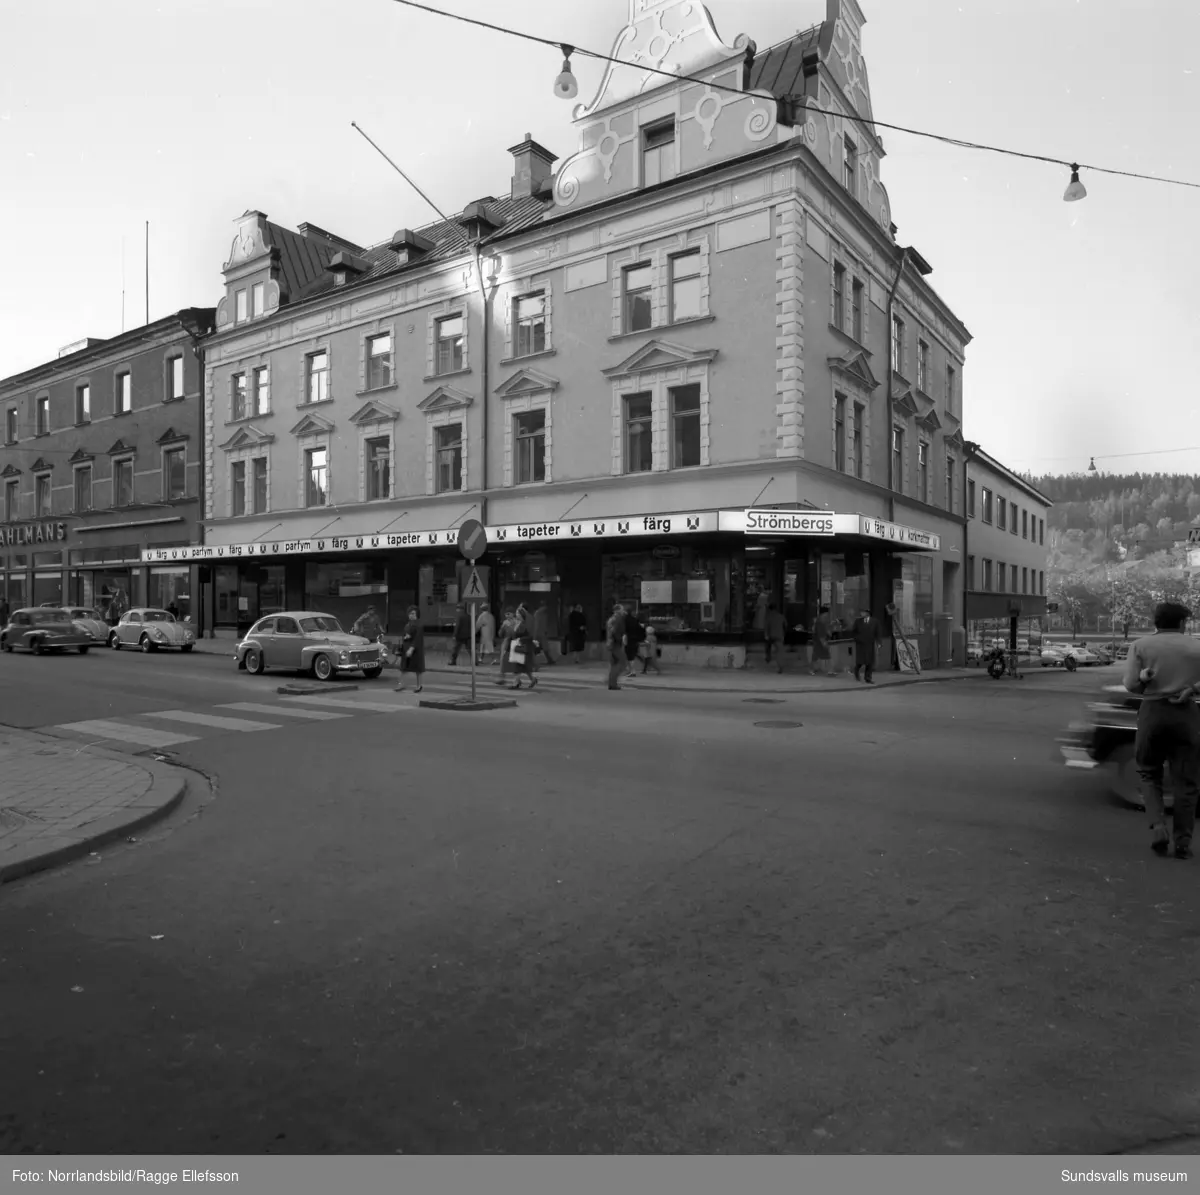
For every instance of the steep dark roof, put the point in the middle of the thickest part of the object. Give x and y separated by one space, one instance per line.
779 70
302 261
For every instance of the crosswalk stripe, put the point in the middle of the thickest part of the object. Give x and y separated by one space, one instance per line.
345 703
253 707
146 736
212 720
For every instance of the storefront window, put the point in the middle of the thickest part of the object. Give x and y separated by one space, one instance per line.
47 587
845 586
437 593
111 590
170 589
675 589
532 578
913 597
345 589
17 590
81 589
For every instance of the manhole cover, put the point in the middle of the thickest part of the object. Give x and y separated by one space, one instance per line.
779 725
764 700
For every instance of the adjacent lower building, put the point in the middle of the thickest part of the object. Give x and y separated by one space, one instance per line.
101 464
690 369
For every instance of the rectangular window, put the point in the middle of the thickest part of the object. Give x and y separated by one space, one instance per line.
897 345
638 307
839 297
259 466
970 572
1024 524
1024 580
639 445
529 316
123 482
450 344
970 499
1001 514
12 501
1000 576
449 458
43 416
259 299
41 495
237 487
950 382
379 468
898 460
987 505
10 426
175 473
1042 532
951 466
379 361
237 405
529 441
658 153
262 390
1013 578
857 301
860 415
175 375
922 366
849 166
685 286
316 476
685 426
987 575
923 471
1042 584
241 306
83 404
317 389
1012 517
124 402
839 432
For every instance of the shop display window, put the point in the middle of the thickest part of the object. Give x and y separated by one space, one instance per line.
533 578
344 589
437 593
171 587
674 589
845 587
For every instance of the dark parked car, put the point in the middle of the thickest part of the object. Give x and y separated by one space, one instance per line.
40 629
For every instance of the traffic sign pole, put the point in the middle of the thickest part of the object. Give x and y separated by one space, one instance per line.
474 615
472 543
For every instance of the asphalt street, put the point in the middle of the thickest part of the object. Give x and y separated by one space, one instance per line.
599 922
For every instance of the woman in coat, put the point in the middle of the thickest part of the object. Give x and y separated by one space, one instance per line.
577 633
822 633
412 649
524 641
485 624
507 627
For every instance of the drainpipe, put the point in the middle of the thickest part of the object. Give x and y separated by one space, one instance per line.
487 322
890 303
970 452
197 338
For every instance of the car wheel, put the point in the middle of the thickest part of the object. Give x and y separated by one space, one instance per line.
1070 664
83 651
146 645
322 668
187 647
4 643
253 662
114 642
39 648
373 673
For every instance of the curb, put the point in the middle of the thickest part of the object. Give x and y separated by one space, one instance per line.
164 796
465 705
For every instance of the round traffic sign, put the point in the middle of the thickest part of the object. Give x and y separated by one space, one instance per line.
472 539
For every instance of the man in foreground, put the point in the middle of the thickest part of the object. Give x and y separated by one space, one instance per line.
1164 669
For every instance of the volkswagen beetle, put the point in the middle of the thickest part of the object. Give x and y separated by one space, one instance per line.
89 621
149 630
307 641
41 629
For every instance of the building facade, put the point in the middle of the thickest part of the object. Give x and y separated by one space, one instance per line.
1005 548
101 463
691 370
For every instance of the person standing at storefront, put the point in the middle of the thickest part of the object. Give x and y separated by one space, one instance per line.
867 634
485 624
507 629
541 643
822 633
368 626
523 645
775 631
634 634
462 632
577 632
648 649
615 642
412 649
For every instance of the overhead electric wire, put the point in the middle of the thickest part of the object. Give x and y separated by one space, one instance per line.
808 107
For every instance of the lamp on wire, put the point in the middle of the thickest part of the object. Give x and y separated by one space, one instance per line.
1092 467
565 86
1075 189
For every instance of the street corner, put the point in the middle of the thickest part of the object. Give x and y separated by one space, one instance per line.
60 801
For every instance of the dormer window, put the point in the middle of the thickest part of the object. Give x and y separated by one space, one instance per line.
850 166
658 153
241 307
259 294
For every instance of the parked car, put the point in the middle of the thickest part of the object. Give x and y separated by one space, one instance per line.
88 621
1103 740
308 641
149 630
40 629
1067 655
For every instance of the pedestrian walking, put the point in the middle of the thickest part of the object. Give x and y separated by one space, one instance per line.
649 650
635 632
577 632
1164 668
614 640
367 625
775 631
462 632
541 617
867 634
822 633
507 629
485 624
522 649
412 649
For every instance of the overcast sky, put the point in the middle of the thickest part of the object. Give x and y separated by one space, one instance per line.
187 112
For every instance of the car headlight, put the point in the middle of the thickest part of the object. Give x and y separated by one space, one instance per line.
344 657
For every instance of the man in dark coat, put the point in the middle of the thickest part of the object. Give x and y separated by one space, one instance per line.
462 632
867 634
615 643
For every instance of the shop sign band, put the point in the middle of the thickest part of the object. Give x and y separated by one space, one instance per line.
32 533
790 522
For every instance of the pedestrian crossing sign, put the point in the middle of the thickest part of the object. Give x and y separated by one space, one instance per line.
474 591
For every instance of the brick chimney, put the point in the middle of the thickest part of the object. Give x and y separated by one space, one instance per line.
532 166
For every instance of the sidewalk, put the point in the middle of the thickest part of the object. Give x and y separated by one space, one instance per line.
59 801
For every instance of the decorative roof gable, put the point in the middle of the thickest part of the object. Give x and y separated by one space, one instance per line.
854 365
444 398
526 381
312 425
247 436
657 355
374 411
119 447
41 465
171 436
79 456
